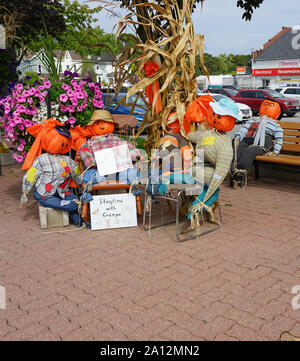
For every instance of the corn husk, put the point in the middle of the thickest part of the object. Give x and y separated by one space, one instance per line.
173 44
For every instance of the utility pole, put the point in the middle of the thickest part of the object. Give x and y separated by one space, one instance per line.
2 46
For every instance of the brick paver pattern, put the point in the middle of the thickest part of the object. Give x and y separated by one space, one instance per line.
128 284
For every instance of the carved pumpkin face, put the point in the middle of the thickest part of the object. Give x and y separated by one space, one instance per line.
101 127
56 143
270 109
223 123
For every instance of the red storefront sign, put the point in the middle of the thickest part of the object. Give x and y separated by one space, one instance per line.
276 71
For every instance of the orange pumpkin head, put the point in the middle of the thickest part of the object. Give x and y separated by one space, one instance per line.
57 141
223 123
101 127
270 109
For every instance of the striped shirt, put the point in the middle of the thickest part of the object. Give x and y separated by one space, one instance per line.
272 128
218 152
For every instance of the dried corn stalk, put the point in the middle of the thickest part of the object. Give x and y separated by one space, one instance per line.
172 43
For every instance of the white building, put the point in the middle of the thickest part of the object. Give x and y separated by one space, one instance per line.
277 63
32 62
104 66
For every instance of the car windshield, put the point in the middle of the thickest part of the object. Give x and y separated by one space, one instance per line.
273 93
232 92
218 97
131 100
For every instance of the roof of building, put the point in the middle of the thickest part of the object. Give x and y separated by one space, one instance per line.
73 54
104 58
279 46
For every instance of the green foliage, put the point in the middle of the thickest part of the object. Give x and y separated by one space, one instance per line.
28 15
32 77
87 71
8 73
222 64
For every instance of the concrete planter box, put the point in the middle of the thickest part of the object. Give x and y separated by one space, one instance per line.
6 159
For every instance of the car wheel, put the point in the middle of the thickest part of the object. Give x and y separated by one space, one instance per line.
290 114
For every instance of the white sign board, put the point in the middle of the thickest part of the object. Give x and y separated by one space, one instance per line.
113 211
113 160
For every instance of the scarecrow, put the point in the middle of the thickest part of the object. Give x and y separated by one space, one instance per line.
96 136
257 137
50 173
218 118
171 160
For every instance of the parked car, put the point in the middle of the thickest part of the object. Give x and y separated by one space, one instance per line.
244 110
111 105
291 92
234 87
254 98
230 93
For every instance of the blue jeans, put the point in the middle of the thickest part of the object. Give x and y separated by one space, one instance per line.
57 202
127 176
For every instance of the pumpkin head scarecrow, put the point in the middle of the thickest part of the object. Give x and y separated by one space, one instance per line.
50 173
101 123
96 136
270 109
257 137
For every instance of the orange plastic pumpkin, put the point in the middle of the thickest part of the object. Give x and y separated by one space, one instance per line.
101 127
223 123
55 143
47 138
270 109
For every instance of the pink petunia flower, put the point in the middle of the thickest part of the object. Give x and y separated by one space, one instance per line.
47 84
63 98
71 120
65 86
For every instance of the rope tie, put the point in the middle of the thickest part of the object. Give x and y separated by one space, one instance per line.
197 215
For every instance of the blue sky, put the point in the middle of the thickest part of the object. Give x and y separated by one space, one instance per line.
225 31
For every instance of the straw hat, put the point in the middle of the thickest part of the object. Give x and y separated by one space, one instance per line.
101 115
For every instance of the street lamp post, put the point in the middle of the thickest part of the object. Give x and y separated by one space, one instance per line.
2 46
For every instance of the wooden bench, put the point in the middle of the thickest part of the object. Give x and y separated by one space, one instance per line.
290 151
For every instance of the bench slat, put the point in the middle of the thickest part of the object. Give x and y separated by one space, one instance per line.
291 139
289 147
291 133
282 159
290 125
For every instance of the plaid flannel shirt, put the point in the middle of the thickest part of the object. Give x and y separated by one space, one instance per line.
50 173
86 151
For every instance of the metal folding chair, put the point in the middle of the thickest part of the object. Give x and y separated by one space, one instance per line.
177 193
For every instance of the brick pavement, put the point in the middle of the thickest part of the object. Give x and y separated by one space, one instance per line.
232 284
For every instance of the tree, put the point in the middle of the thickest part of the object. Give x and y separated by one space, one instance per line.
28 19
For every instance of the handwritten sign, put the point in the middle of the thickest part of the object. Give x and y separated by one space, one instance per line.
113 160
113 211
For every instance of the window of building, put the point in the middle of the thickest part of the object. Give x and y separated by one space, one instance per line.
39 69
68 67
75 68
99 79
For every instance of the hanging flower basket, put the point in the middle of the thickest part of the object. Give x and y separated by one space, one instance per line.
72 103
